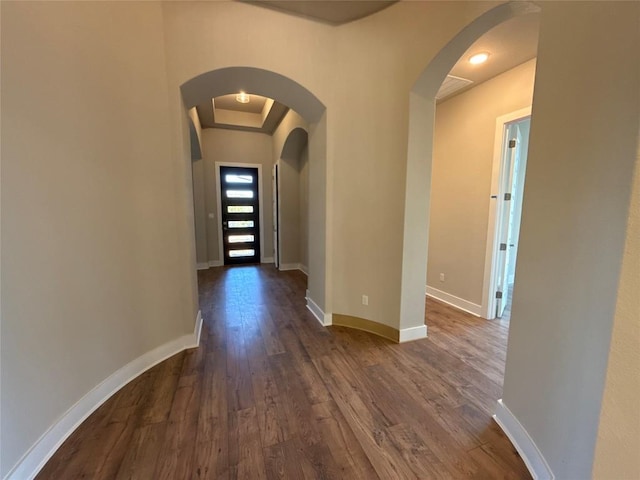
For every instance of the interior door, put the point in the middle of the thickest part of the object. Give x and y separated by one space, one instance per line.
240 215
510 150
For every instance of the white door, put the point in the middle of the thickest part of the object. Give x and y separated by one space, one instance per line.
512 184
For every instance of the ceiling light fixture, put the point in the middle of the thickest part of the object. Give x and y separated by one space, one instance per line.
479 58
243 97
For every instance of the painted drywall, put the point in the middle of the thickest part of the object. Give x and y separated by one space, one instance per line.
303 209
289 177
290 145
461 179
107 58
382 55
199 207
618 442
582 150
196 134
233 146
95 270
200 212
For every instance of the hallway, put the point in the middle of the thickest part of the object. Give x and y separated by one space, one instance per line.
272 394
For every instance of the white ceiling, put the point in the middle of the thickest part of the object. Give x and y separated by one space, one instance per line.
260 115
510 44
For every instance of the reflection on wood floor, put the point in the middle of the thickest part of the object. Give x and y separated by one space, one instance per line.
271 394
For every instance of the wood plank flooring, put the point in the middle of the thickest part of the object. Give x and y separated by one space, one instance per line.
270 394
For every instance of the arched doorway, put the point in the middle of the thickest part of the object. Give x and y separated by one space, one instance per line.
269 84
291 200
422 104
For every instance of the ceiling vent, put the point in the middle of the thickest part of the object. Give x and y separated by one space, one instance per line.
451 85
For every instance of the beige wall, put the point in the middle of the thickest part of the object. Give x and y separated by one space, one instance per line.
293 161
199 206
461 179
303 209
583 147
200 213
93 266
97 215
618 442
234 146
289 179
204 36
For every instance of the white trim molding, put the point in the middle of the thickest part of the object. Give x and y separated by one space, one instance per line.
289 266
413 333
524 444
215 263
459 303
267 260
323 318
40 452
293 266
196 331
495 213
202 266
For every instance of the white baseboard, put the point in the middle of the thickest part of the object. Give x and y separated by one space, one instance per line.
323 318
413 333
293 266
209 264
40 452
526 447
283 267
459 303
267 260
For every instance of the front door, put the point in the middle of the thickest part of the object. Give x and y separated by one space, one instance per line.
240 215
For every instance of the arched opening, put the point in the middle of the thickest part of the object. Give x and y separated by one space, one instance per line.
310 112
420 154
418 199
291 202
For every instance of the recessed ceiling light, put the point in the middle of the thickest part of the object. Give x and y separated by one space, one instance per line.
478 58
243 97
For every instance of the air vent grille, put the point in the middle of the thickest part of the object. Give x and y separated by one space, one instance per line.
451 85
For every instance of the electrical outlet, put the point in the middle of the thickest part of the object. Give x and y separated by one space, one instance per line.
365 300
442 277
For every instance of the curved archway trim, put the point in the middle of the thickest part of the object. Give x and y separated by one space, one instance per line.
419 157
255 80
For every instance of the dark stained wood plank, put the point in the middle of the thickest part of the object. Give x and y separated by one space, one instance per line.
271 394
176 454
142 455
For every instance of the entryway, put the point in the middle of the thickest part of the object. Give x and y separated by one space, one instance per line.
240 214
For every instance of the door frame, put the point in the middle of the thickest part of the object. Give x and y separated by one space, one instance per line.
276 212
219 205
496 210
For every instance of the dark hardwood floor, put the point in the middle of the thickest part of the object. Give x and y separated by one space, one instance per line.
271 394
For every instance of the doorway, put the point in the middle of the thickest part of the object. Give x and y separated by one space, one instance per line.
511 145
276 216
240 214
